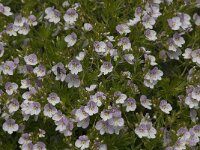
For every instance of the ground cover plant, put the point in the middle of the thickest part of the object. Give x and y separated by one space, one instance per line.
99 74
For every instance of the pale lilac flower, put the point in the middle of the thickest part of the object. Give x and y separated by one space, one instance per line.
81 56
41 133
120 97
71 39
185 20
10 126
53 98
196 56
87 27
24 139
141 130
123 29
19 21
100 47
91 108
196 130
178 40
151 59
11 30
92 87
196 19
165 107
125 43
84 123
148 21
187 54
150 35
72 80
192 103
104 127
98 98
11 87
39 146
28 146
71 16
31 59
32 20
60 71
82 142
193 115
154 75
8 67
52 15
5 10
1 49
35 108
24 30
130 104
196 93
57 116
145 102
129 58
80 114
62 124
75 66
40 71
106 114
106 68
13 105
49 110
175 23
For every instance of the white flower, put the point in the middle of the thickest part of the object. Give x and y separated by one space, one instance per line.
72 80
71 16
91 88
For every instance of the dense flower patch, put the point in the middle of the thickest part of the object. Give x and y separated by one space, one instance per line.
99 75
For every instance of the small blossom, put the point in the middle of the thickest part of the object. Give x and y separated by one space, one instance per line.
10 126
174 23
165 107
87 27
52 15
31 59
82 142
75 66
53 98
72 80
106 68
91 108
11 87
123 29
71 16
71 39
145 102
49 110
130 104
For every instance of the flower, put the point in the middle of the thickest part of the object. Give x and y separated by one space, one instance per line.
5 10
53 98
49 110
87 27
11 87
82 142
52 15
71 16
75 66
125 43
40 71
130 104
145 102
39 146
91 108
8 67
100 47
106 68
72 80
31 59
10 126
165 107
13 105
150 35
121 97
71 39
148 21
123 29
174 23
